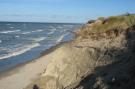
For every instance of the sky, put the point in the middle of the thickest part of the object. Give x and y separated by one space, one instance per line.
67 11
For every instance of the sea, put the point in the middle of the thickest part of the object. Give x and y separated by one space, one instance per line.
21 42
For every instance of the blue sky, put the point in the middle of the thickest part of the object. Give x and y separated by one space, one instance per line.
62 10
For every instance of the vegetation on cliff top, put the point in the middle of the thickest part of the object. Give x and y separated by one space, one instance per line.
103 24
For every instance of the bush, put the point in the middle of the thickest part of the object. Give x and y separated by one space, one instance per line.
91 21
130 21
101 18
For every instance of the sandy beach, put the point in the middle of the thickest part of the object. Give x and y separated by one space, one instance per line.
22 76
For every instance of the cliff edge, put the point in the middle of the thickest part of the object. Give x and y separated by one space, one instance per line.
102 56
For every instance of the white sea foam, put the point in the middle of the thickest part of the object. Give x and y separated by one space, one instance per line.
20 50
2 48
60 27
52 31
39 30
11 27
8 24
26 32
13 31
39 39
51 27
61 38
17 36
67 25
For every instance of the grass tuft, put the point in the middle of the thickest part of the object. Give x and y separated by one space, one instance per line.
107 24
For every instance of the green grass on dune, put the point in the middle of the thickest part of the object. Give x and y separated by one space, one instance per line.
110 23
115 22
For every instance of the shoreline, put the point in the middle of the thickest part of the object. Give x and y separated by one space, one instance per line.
46 52
9 78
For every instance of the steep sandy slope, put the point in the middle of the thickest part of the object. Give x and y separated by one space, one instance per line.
104 60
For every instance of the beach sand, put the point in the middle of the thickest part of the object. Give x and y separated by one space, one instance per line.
22 76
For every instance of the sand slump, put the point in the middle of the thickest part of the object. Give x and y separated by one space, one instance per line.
19 50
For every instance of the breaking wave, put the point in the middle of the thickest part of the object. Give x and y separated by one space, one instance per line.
0 41
18 51
11 27
26 32
39 39
13 31
39 30
61 38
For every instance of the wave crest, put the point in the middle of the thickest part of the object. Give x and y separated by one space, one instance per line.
39 39
18 51
61 38
13 31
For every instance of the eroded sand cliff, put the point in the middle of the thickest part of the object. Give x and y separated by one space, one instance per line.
94 60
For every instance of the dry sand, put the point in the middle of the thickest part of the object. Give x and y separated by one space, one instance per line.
24 75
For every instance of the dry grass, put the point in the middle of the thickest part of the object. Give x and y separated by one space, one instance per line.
107 24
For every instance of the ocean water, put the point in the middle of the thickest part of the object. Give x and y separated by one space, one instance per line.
21 42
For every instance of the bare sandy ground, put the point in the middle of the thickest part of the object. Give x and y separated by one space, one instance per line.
24 75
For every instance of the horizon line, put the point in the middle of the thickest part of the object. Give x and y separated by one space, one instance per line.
42 22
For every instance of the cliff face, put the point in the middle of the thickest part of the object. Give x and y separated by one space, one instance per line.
94 60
